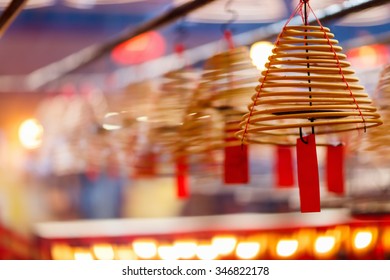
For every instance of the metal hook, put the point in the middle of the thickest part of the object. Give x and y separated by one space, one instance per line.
301 136
234 17
181 31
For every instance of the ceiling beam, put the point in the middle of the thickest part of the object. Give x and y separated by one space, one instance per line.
9 14
152 69
90 54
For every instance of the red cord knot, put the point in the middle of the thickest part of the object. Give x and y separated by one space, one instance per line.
179 48
229 38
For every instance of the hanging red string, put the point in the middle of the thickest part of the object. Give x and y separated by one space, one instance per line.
229 38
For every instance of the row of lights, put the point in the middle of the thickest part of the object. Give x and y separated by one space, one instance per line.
321 245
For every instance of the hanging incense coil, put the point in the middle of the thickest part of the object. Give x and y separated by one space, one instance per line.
173 100
200 131
228 77
378 140
226 80
307 84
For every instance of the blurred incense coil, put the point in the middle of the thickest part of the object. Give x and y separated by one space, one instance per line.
307 85
168 113
200 132
378 141
226 80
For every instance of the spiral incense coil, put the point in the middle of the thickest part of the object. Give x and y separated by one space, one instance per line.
227 78
169 112
307 85
199 133
378 140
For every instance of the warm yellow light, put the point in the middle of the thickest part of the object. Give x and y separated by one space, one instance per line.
142 119
125 252
145 249
109 121
206 252
286 247
30 134
185 249
324 244
247 249
363 239
386 239
167 252
82 254
103 251
224 244
61 252
259 53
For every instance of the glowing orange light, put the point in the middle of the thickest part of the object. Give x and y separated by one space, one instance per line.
82 254
145 249
167 252
247 249
61 252
125 252
286 247
206 252
30 133
185 249
368 56
224 244
364 239
103 251
139 49
259 53
324 244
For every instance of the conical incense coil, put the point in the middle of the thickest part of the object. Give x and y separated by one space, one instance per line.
200 132
170 109
378 140
307 84
227 78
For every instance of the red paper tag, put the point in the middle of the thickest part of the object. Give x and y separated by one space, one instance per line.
146 165
335 169
236 160
308 179
284 167
92 172
182 177
236 165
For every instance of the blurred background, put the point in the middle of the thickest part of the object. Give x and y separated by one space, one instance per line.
110 148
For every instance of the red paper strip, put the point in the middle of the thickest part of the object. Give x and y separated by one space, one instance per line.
236 165
308 179
236 160
182 177
92 172
335 169
146 165
284 167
